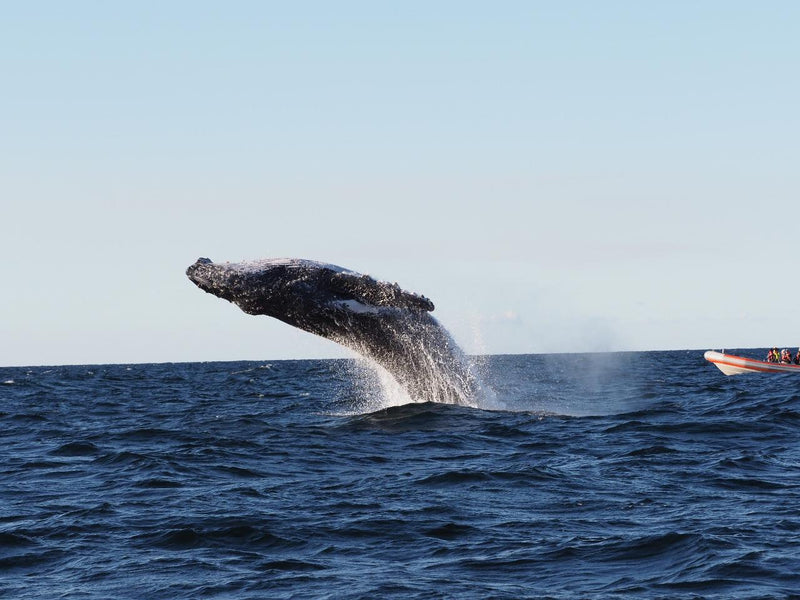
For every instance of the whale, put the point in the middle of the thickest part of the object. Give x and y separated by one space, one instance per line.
375 319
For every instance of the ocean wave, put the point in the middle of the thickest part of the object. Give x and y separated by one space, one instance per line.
186 480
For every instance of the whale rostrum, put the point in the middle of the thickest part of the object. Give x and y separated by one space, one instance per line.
375 319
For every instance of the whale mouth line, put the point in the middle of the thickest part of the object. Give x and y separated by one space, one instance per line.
387 325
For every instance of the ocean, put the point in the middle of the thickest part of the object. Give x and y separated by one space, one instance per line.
620 475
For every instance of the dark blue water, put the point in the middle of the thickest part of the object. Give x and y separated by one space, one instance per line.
622 475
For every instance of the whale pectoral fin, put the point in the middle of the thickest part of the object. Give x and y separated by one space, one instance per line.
367 290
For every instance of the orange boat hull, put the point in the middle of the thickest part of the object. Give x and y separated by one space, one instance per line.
735 365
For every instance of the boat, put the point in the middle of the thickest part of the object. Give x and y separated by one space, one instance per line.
734 365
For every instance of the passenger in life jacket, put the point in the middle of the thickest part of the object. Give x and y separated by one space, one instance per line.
773 356
797 357
786 358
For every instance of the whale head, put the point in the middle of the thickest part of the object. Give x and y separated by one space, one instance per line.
262 287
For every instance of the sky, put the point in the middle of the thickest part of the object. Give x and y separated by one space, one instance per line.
555 176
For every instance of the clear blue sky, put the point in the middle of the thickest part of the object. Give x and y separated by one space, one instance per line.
555 176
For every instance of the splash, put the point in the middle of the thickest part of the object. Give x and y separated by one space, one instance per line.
374 388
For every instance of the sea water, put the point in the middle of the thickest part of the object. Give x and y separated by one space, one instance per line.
614 475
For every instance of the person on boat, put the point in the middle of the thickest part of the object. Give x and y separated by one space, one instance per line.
786 358
773 356
797 357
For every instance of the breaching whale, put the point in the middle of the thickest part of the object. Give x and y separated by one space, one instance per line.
378 320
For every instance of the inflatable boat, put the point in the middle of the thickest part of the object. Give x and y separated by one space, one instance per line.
734 365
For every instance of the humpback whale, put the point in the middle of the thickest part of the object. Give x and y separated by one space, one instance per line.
375 319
